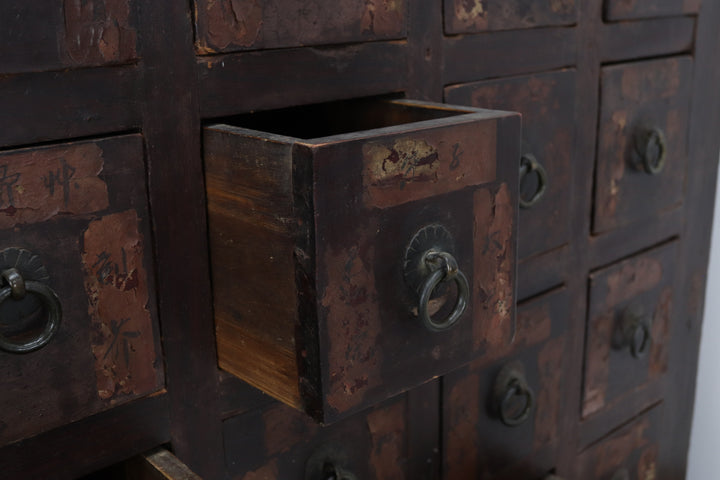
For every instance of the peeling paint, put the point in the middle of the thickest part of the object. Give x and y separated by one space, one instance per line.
408 160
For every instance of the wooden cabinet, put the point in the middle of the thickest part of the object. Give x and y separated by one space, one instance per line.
226 197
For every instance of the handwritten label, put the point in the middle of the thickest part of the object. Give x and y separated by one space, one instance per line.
36 185
116 283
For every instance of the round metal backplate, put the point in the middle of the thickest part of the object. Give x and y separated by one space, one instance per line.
27 263
433 237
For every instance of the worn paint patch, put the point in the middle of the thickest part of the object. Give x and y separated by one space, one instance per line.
266 472
382 17
36 185
231 22
660 334
493 287
597 368
647 466
285 428
353 326
121 326
631 279
471 13
387 426
401 170
462 412
550 362
615 451
98 31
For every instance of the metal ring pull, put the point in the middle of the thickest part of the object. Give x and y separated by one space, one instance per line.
651 148
444 268
331 472
17 288
634 331
528 165
510 385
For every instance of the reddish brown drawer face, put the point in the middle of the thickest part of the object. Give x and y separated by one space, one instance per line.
642 142
628 331
52 35
546 102
231 25
80 209
520 443
630 453
280 442
631 9
353 216
468 16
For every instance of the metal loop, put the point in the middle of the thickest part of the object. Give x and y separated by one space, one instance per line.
516 387
54 316
651 146
529 164
640 339
15 281
635 331
450 272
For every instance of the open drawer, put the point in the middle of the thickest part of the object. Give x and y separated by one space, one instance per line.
360 248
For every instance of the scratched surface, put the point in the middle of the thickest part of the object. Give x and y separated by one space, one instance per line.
279 442
233 25
651 94
97 359
629 9
612 375
468 16
70 33
476 443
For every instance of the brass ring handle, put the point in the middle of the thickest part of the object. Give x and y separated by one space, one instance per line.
528 165
444 268
510 384
17 288
651 147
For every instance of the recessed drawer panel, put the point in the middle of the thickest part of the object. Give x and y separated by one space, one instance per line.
231 25
52 35
546 102
470 16
279 442
627 335
630 453
375 260
74 230
502 420
632 9
642 142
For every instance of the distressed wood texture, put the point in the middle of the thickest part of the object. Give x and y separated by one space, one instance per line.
44 35
82 208
345 330
476 444
472 16
631 452
229 25
546 102
635 98
630 9
641 286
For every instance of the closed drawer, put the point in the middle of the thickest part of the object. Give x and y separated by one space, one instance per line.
642 141
546 102
333 233
52 35
632 9
73 217
502 420
627 334
463 16
373 444
231 25
630 453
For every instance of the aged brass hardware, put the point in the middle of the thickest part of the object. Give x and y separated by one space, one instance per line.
529 165
511 387
650 149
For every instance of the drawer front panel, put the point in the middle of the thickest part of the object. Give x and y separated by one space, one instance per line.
80 208
280 442
230 26
53 35
632 9
642 142
630 453
463 16
477 442
546 102
628 328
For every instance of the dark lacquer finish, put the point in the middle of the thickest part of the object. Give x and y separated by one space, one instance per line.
633 9
81 209
355 216
501 418
473 16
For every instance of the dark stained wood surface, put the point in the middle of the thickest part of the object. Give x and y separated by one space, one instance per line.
472 16
628 9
